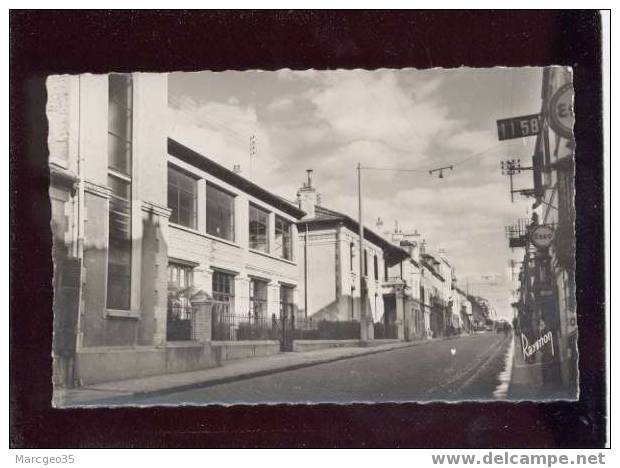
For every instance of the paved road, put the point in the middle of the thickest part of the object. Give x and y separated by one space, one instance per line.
426 372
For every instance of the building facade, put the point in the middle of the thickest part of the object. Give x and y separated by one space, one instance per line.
233 240
546 299
329 246
140 225
404 280
109 218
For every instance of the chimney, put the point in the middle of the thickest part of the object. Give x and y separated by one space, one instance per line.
423 247
412 240
237 168
307 198
397 235
443 255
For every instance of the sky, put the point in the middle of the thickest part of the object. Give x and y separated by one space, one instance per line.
408 119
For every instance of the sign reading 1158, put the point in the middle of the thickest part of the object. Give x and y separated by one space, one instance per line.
518 127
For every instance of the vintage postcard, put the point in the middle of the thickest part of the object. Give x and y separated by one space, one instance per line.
390 235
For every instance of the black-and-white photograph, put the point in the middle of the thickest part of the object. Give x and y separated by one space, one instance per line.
317 236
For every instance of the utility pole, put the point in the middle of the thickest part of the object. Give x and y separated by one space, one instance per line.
365 334
510 168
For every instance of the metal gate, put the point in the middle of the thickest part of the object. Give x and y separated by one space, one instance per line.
287 327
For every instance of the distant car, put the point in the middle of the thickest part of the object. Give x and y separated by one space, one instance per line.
488 328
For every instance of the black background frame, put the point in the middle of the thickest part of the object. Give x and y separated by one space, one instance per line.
53 42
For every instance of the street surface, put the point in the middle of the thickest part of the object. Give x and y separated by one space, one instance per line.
425 372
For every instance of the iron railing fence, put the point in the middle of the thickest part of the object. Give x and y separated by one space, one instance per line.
179 323
385 331
309 329
230 327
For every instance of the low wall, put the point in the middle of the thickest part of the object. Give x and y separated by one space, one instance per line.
382 342
228 350
105 364
311 345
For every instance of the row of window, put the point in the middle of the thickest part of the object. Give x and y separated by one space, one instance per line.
181 277
220 215
375 262
182 199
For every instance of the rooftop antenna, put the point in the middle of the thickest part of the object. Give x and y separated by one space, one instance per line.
252 153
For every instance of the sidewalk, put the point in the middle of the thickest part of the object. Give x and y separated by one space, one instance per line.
123 392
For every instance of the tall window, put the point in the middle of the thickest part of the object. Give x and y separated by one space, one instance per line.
120 104
259 229
284 246
223 287
182 197
258 298
365 262
180 277
376 265
220 213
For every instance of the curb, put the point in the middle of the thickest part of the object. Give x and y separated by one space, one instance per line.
235 378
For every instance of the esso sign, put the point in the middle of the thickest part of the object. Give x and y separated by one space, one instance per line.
561 111
541 236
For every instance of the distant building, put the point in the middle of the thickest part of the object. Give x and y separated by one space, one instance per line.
404 284
329 249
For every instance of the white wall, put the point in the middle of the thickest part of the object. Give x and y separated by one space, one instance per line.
208 252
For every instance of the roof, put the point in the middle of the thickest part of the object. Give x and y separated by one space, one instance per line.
406 243
202 162
326 217
425 259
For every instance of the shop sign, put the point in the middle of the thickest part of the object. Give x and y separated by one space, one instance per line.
561 111
540 343
541 236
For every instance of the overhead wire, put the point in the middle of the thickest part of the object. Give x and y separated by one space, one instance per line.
455 164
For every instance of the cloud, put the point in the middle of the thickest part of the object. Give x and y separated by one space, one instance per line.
222 131
280 104
330 121
372 106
